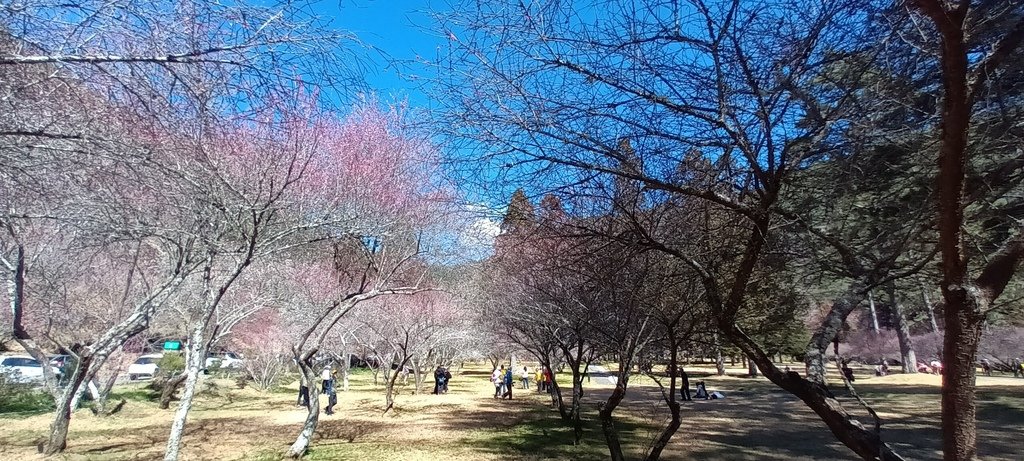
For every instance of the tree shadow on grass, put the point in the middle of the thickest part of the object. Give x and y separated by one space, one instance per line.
522 430
349 431
759 421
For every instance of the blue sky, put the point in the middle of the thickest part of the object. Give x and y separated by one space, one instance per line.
399 29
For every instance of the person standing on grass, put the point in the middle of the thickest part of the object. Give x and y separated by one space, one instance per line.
538 377
501 382
325 376
547 380
684 385
332 396
525 378
508 384
1018 368
439 380
303 400
496 379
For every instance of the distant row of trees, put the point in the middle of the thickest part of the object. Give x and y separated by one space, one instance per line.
718 163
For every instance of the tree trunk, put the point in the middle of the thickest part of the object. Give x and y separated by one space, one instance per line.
907 355
960 347
302 442
577 397
193 368
751 369
87 364
815 358
101 396
930 309
76 400
719 360
874 314
170 388
344 370
556 391
659 444
418 376
606 409
846 428
58 439
389 393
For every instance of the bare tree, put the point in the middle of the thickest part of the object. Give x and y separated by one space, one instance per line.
629 92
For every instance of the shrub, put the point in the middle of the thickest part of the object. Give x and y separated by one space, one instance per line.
18 397
170 364
264 368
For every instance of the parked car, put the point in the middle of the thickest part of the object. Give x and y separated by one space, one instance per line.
144 366
62 361
24 369
223 360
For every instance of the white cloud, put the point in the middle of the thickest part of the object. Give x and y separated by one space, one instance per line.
476 238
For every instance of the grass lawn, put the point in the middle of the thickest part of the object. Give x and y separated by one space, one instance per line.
755 422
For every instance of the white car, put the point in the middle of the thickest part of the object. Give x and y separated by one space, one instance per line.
24 369
224 360
144 366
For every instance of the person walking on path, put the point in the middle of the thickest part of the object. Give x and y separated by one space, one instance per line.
684 385
508 384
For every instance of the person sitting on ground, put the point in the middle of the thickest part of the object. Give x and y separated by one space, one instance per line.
848 372
702 391
923 368
936 366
